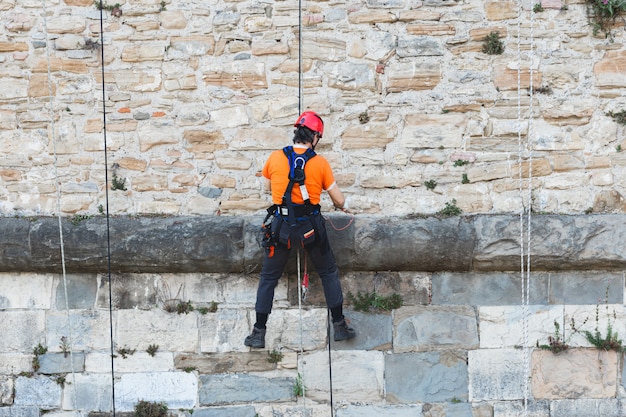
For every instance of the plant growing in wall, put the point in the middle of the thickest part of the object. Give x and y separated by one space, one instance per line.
556 342
611 340
451 209
150 409
372 302
298 386
603 13
492 45
430 184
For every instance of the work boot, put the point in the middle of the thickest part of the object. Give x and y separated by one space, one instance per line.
256 339
343 331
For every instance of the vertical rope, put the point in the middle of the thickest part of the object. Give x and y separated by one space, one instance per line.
529 211
525 238
300 95
57 186
108 224
301 330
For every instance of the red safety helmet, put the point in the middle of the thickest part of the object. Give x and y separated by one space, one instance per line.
311 120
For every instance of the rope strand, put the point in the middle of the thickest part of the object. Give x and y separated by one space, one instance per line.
57 185
108 225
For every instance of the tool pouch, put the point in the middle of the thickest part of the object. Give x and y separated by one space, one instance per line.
301 234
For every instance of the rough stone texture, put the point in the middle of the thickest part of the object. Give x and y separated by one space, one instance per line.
426 377
242 388
420 328
466 243
177 389
574 373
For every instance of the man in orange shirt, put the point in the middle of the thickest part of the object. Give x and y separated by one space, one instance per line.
296 177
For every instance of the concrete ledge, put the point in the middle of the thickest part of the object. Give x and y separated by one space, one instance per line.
229 244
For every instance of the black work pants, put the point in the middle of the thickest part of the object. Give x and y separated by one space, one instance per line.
323 260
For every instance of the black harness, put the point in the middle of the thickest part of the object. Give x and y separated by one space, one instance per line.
288 212
296 175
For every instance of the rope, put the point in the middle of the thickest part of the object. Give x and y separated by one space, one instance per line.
525 240
339 229
108 225
330 367
58 201
301 329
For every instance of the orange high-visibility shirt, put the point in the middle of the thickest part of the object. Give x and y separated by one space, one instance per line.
317 171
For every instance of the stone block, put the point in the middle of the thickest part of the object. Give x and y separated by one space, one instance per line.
452 246
140 361
311 410
433 130
421 328
243 388
425 377
373 332
218 363
379 410
586 287
516 408
287 328
90 330
173 332
81 291
403 76
19 411
37 391
575 373
235 411
176 389
587 407
21 330
357 375
503 326
496 374
15 363
224 331
88 392
487 289
6 390
25 291
607 71
60 363
235 75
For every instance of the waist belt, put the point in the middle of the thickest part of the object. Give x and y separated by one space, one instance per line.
298 211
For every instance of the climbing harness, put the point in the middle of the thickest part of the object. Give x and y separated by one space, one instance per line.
58 201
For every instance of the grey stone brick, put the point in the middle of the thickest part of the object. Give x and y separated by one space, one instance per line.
586 287
6 390
487 288
37 391
57 363
516 408
373 331
379 410
81 291
421 328
235 411
426 377
19 411
583 407
242 388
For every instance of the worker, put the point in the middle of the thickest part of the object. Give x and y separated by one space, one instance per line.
296 176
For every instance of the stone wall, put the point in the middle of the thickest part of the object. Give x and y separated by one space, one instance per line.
197 94
454 348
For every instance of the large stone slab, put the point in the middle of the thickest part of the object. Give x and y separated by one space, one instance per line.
426 377
575 373
221 244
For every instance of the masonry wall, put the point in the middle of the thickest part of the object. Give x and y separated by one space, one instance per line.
197 94
464 342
